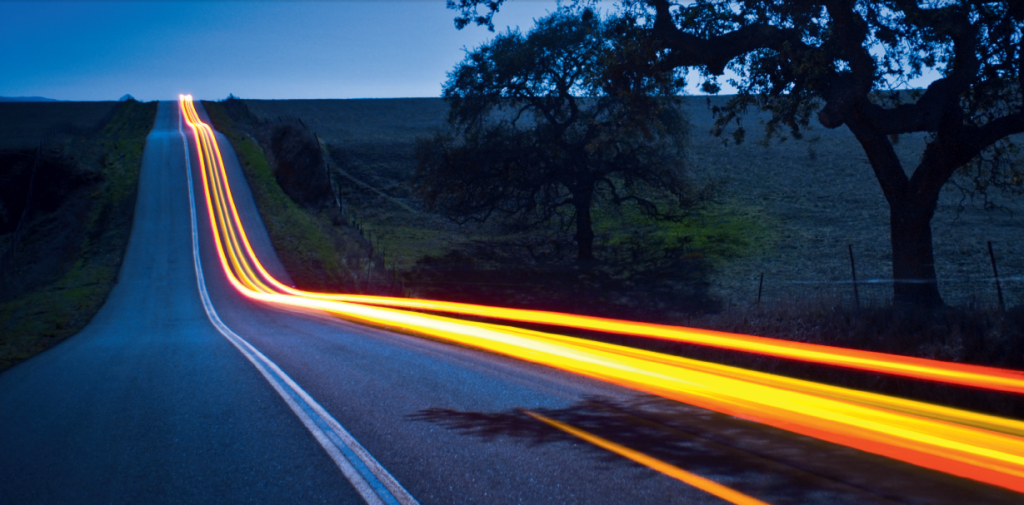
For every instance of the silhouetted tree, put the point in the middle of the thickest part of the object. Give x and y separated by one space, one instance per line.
537 131
843 60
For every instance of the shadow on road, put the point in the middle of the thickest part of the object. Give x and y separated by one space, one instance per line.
767 463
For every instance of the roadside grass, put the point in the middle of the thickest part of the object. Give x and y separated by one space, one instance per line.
537 269
316 252
717 231
45 316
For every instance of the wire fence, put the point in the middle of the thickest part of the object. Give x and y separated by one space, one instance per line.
970 292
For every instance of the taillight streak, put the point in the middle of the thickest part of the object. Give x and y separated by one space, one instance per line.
981 447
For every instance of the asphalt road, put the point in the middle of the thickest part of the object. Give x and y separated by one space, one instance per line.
151 404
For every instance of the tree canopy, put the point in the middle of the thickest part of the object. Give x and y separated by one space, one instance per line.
539 132
843 62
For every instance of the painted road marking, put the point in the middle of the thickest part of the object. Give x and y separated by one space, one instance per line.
370 479
707 485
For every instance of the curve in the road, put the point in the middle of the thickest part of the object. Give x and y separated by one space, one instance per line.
371 480
149 403
984 448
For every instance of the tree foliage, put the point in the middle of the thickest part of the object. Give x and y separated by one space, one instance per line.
540 131
843 63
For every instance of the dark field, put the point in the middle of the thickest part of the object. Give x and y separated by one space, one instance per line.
795 203
642 273
66 204
24 124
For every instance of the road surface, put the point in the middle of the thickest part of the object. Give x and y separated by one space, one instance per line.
152 404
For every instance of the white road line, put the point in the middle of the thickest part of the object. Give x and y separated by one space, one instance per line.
373 482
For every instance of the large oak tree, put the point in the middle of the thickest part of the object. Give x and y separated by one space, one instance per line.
537 131
839 61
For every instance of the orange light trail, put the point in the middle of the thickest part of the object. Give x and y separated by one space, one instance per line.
976 446
952 373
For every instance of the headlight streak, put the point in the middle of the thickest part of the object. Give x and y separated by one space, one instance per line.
985 448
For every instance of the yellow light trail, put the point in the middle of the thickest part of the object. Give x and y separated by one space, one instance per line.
952 373
976 446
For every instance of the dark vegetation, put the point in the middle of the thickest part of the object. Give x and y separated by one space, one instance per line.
292 152
420 253
26 123
285 168
795 60
664 271
299 165
536 135
67 201
799 59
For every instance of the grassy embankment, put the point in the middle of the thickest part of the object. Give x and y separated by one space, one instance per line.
100 215
647 269
317 250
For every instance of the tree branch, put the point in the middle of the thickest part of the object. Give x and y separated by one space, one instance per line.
884 162
924 115
715 52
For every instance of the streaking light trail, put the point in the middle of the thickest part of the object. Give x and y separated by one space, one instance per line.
976 446
939 371
952 373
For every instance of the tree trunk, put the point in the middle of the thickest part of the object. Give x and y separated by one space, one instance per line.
913 263
911 207
584 226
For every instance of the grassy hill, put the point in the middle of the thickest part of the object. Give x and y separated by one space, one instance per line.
797 203
62 242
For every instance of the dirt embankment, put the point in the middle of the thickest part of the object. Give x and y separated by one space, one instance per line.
66 208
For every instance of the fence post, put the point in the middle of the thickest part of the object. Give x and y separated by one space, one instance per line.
760 284
853 273
995 273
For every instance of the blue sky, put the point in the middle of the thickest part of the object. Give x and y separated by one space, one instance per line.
155 50
80 50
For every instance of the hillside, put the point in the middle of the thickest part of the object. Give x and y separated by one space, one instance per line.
812 198
66 209
786 210
24 124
